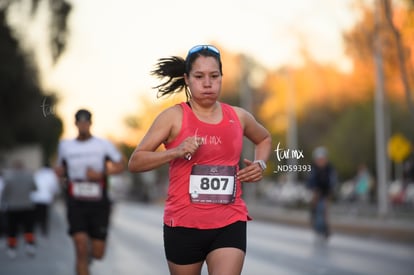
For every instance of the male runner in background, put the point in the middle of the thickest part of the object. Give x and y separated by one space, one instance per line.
85 163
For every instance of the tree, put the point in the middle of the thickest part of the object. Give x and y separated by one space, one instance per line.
334 108
59 11
396 35
400 50
26 110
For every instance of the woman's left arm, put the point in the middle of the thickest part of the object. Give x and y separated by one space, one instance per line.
257 134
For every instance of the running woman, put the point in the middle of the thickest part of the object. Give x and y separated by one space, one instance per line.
85 163
205 216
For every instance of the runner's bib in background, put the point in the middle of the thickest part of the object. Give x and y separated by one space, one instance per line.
212 184
87 190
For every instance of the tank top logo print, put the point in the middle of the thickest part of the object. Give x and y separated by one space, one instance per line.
210 140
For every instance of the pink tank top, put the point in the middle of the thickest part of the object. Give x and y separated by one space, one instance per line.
222 146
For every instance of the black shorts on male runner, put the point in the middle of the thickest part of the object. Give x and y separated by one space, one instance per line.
190 245
91 219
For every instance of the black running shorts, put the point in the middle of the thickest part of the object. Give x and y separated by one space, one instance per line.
190 245
93 220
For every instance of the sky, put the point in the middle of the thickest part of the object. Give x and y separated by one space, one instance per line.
114 44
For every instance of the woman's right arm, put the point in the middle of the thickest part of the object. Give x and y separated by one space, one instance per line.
145 157
164 129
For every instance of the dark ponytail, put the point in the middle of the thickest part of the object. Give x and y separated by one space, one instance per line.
174 68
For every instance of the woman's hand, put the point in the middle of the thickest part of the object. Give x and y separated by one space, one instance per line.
251 173
189 146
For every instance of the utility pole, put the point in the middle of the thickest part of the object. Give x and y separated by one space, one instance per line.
246 102
381 162
292 131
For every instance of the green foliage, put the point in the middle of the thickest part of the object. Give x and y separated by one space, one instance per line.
58 12
400 120
351 140
349 134
313 127
23 120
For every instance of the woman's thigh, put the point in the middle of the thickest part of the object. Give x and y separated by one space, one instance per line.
188 269
226 260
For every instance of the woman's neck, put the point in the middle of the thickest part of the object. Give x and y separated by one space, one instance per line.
209 114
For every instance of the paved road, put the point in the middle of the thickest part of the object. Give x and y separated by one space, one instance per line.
135 247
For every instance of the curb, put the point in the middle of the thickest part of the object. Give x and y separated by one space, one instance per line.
386 229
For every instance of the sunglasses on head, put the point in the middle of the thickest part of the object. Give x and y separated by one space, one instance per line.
200 48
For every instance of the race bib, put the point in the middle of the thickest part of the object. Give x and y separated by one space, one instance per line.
87 190
212 184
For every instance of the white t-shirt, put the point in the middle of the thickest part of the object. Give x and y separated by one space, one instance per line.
81 155
47 184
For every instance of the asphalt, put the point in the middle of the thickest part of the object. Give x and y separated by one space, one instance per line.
390 227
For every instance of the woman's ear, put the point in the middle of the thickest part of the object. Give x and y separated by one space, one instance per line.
186 79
